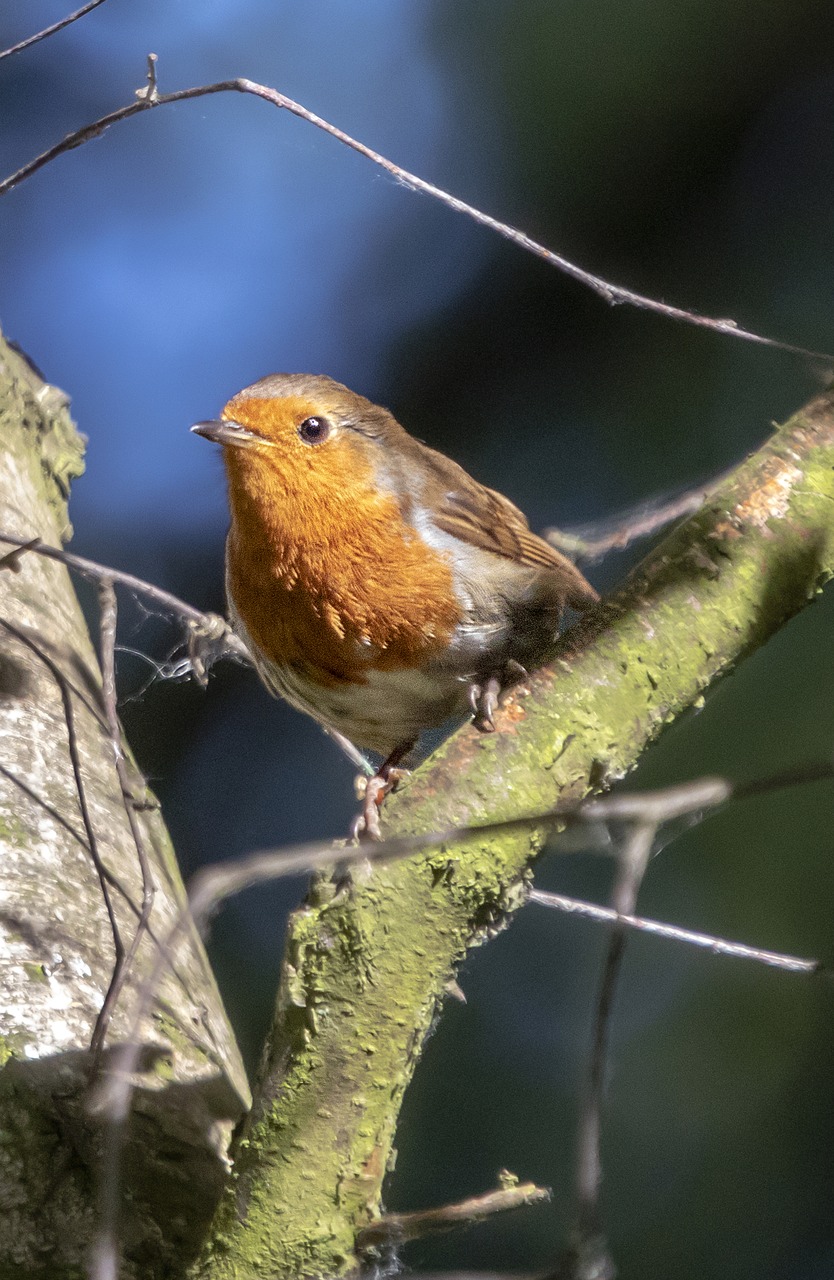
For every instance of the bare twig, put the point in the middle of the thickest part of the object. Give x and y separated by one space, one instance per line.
357 759
55 814
396 1228
170 603
50 31
588 1257
11 560
690 937
214 883
107 632
218 881
611 293
208 636
591 542
671 803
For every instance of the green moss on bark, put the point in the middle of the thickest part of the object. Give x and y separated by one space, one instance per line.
58 454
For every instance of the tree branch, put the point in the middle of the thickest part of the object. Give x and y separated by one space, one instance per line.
614 294
365 969
396 1228
50 31
208 626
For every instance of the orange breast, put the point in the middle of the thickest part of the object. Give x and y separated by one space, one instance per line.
327 576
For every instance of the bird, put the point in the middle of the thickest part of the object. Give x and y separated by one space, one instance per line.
377 586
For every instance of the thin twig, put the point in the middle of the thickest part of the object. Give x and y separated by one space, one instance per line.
107 633
55 814
611 293
591 542
95 572
357 759
213 883
588 1256
12 559
50 31
678 801
706 941
396 1228
209 637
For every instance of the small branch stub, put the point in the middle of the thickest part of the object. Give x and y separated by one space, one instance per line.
397 1228
150 93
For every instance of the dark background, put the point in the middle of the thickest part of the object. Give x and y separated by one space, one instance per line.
685 149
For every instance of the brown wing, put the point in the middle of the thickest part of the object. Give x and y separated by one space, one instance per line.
486 519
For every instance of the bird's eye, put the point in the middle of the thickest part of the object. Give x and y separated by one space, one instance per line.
314 430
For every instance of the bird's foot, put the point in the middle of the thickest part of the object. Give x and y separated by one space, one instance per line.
486 698
365 825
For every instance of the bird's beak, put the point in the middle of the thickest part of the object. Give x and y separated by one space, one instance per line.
225 431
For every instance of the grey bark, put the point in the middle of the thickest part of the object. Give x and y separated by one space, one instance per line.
56 947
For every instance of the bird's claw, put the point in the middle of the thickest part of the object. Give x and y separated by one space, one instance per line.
486 698
365 825
484 702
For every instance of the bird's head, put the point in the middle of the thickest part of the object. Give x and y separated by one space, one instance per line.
297 429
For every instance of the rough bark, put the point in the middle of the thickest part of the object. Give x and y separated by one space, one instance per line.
365 970
56 947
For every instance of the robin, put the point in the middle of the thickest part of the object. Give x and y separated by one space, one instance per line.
377 586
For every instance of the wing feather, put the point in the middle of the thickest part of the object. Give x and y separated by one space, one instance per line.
483 518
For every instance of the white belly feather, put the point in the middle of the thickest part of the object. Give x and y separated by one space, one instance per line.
389 709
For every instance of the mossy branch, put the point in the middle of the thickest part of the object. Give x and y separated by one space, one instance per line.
365 969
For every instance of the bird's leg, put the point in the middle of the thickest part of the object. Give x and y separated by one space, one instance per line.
485 698
365 825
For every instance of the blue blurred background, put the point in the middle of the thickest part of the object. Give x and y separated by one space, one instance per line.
686 150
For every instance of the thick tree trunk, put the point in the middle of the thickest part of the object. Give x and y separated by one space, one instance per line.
56 944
